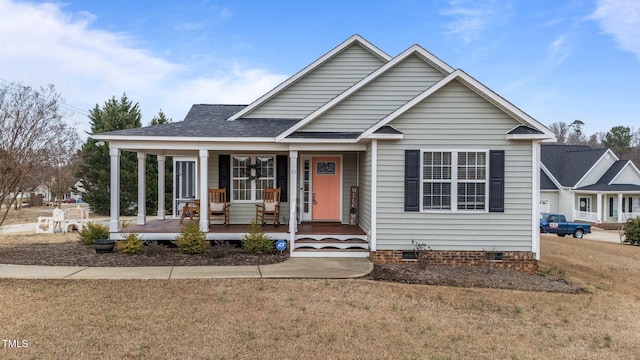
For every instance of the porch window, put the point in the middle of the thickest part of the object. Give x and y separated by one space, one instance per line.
463 188
250 175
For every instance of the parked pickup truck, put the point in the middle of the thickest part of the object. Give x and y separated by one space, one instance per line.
557 224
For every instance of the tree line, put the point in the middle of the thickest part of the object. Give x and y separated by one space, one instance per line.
623 140
39 148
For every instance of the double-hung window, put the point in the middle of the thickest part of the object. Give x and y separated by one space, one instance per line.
454 181
250 175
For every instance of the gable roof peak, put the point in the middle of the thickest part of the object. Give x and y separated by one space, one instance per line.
354 39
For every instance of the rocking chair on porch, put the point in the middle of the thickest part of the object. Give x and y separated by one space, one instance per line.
218 205
270 207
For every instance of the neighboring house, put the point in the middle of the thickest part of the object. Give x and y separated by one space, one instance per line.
438 159
588 184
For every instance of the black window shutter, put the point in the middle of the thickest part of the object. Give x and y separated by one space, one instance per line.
630 204
224 174
496 181
282 179
412 180
611 206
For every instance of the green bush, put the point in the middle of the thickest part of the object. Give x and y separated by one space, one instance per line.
632 231
256 242
131 244
192 240
93 231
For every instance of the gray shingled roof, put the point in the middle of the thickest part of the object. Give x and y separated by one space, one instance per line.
546 183
612 188
524 130
323 135
569 163
612 172
211 121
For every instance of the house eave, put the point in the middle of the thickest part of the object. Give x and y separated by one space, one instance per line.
527 137
190 139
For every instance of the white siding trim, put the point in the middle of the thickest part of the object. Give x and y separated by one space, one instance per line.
314 65
475 86
628 164
550 175
595 164
414 50
204 190
114 221
535 191
374 194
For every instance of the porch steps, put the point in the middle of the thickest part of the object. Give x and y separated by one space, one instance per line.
331 246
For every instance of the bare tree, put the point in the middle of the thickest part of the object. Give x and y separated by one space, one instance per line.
561 129
33 137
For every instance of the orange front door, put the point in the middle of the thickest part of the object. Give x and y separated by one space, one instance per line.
326 188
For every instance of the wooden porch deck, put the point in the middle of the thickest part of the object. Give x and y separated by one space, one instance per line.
173 226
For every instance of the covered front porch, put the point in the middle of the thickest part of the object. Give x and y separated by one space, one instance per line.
303 173
606 207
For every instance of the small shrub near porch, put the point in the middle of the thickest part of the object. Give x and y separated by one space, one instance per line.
131 244
257 242
632 231
192 240
93 231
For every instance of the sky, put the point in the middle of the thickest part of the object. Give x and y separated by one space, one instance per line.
556 60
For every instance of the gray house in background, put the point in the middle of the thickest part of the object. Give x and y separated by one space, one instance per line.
373 154
588 184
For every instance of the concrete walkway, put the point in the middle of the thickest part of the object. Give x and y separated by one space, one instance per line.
322 268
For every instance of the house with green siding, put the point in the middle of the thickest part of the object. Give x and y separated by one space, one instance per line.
375 156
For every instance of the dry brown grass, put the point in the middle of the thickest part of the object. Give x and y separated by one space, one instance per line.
319 319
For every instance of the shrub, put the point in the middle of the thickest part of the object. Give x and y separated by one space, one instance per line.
93 231
256 242
131 244
632 232
192 240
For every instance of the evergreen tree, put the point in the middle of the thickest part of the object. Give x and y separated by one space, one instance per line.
95 164
152 173
619 140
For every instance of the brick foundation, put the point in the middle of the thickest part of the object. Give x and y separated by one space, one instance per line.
514 260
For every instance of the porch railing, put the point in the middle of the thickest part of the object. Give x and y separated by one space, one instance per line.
629 215
585 215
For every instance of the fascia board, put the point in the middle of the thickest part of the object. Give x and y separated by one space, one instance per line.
594 165
526 137
316 141
478 88
413 50
628 164
183 138
309 68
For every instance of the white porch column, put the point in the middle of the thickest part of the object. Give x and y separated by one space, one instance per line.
204 190
573 207
599 209
142 190
620 215
374 195
114 206
161 205
293 197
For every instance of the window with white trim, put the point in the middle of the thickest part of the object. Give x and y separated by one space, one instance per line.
454 181
250 175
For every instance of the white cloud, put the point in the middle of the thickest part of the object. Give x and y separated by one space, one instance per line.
43 44
473 17
558 50
621 19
